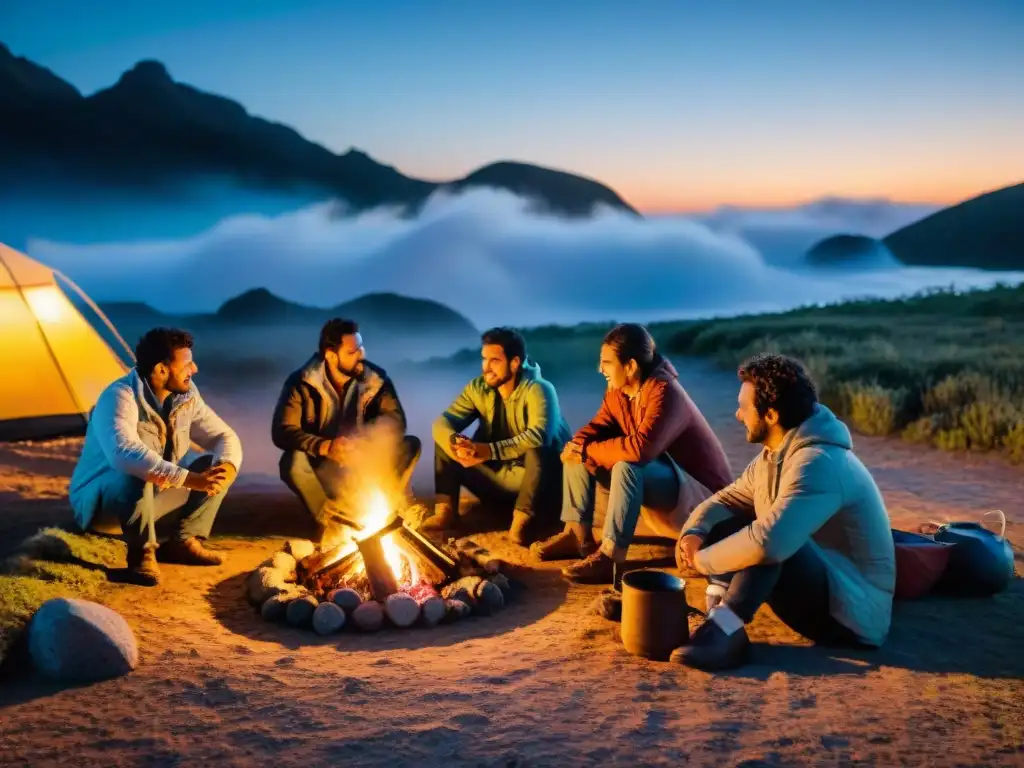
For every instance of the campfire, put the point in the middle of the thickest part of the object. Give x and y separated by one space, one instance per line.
387 573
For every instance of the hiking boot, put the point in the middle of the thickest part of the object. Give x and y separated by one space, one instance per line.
520 523
712 650
443 519
189 551
564 545
143 568
596 568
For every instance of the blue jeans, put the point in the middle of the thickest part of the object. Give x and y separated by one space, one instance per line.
630 486
140 507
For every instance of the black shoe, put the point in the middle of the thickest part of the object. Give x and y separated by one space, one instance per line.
712 650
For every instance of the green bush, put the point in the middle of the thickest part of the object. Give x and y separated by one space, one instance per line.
874 410
1013 442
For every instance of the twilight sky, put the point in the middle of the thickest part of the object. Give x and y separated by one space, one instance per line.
677 104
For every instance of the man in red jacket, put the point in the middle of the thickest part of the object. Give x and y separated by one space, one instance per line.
648 444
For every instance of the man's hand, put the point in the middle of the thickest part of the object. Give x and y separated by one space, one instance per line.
572 453
226 479
686 550
208 482
469 454
338 449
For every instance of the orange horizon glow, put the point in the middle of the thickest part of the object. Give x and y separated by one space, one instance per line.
655 201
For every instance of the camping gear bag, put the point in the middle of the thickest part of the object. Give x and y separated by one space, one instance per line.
920 563
981 562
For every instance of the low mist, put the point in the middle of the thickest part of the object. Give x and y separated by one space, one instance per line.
485 255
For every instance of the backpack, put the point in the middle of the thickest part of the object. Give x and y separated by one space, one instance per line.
980 562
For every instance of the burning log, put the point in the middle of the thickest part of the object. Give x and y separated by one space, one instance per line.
436 556
383 583
478 556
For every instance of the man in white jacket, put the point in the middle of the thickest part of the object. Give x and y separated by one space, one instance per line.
137 466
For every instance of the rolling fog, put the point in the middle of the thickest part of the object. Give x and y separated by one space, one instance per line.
484 255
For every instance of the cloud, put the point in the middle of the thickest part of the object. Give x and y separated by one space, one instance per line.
485 255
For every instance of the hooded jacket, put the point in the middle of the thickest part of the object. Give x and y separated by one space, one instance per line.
302 412
812 490
532 410
127 435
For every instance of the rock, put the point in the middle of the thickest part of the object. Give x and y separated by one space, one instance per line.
456 609
72 640
300 549
432 610
488 598
285 563
346 599
402 609
328 618
608 605
275 607
501 581
300 610
264 583
463 589
369 616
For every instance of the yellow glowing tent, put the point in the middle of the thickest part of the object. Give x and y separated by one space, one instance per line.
54 363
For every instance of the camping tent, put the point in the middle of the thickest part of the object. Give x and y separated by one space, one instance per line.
54 363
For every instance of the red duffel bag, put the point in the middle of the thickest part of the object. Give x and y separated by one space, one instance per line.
920 563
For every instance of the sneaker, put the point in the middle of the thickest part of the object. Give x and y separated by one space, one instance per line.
143 568
443 519
562 546
711 650
189 552
596 568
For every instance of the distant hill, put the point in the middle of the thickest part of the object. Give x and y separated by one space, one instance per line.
149 132
848 250
985 232
381 312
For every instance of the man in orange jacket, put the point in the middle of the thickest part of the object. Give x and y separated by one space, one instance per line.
648 444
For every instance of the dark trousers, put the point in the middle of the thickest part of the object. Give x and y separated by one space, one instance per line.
317 479
149 515
796 590
532 485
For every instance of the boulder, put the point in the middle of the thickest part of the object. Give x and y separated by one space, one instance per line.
72 640
300 611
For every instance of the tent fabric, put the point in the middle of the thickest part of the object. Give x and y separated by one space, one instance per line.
55 363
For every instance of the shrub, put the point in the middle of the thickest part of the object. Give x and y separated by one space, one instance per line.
874 410
1013 442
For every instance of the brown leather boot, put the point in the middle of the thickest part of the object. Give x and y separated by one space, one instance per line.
520 523
566 545
142 566
189 552
443 519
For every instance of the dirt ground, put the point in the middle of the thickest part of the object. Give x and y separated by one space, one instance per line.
541 683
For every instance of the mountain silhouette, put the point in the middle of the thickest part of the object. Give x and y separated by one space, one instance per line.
148 131
984 232
847 249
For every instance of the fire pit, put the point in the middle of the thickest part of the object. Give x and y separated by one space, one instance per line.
389 574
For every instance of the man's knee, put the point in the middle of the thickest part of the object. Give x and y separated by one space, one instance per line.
412 447
294 464
627 473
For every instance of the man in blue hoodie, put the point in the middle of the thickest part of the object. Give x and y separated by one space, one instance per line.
803 529
515 452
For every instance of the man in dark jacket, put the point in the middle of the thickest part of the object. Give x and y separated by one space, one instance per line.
341 426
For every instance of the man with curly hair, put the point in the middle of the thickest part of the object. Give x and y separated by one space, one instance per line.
803 529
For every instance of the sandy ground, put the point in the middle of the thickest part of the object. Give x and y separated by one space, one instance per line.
543 682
